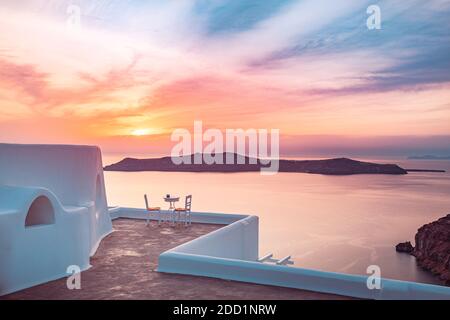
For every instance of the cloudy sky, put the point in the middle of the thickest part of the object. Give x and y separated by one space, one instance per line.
135 70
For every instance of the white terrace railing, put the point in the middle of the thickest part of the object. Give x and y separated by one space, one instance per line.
231 253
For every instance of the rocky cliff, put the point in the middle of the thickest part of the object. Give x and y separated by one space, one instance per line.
432 249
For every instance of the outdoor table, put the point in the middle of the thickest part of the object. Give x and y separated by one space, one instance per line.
172 201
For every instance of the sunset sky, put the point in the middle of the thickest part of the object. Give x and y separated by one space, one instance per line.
136 70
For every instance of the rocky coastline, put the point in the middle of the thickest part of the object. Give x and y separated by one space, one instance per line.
432 248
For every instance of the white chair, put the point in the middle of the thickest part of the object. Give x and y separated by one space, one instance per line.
186 210
151 210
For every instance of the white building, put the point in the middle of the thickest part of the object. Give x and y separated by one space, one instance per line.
53 211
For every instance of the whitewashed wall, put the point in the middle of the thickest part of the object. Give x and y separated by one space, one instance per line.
231 253
71 178
238 240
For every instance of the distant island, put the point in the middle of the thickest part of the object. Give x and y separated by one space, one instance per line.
429 157
338 166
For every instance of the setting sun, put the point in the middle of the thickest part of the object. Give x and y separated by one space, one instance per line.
140 132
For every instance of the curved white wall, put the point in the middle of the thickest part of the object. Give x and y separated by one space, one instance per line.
231 253
238 240
71 178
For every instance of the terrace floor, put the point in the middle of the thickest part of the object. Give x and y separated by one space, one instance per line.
125 263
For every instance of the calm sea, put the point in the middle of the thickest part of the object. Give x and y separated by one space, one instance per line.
332 223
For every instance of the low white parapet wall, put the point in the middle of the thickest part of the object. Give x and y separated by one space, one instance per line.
231 253
298 278
197 217
238 241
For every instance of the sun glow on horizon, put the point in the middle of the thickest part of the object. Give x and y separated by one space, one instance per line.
141 132
136 71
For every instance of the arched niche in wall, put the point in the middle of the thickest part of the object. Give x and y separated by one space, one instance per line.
41 212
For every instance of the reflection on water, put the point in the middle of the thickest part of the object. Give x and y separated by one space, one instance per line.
333 223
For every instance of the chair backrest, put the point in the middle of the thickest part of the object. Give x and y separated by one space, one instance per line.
146 201
188 203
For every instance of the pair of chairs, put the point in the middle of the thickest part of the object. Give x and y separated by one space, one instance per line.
175 214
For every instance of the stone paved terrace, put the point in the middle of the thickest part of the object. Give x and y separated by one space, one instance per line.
125 263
